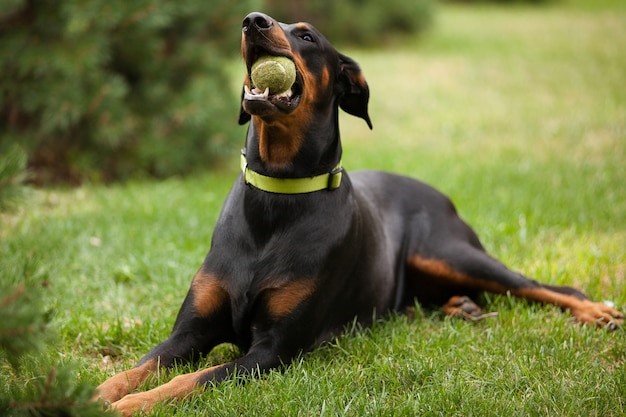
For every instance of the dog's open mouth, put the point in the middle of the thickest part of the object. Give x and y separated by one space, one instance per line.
286 100
261 102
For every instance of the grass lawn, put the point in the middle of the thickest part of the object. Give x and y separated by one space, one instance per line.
519 114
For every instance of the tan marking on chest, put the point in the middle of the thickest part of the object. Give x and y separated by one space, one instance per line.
282 301
208 294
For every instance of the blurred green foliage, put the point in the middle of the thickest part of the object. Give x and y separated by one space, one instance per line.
357 22
12 176
108 89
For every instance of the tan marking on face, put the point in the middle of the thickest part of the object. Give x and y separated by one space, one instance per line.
121 384
244 53
310 86
208 294
282 301
325 79
279 38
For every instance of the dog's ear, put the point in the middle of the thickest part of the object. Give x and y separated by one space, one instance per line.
356 93
243 116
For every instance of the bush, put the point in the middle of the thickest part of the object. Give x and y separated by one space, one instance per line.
34 384
359 22
106 89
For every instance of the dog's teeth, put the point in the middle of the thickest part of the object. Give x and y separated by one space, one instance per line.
255 94
248 95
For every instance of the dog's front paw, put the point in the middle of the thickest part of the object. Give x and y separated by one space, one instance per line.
110 391
598 313
116 387
133 403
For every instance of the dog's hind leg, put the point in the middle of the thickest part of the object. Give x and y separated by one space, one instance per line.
463 268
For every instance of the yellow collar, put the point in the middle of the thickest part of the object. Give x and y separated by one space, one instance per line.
329 181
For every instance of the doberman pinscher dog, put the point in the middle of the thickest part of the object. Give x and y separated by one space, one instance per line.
301 248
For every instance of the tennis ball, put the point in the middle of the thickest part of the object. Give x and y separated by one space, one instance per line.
276 72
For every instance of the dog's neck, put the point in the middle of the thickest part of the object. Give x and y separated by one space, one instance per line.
279 150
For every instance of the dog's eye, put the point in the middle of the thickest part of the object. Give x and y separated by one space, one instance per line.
307 37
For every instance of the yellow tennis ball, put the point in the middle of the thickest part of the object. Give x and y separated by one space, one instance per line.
277 73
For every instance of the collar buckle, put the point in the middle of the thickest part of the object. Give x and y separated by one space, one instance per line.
334 178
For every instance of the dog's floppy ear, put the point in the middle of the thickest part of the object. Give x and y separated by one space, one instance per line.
356 93
244 117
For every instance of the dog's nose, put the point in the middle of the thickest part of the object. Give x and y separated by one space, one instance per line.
258 21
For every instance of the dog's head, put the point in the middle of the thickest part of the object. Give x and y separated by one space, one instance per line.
325 78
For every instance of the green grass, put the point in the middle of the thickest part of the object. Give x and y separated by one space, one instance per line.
519 114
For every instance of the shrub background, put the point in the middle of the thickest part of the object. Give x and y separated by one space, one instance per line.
357 22
109 89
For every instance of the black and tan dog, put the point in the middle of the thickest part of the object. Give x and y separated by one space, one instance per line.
301 248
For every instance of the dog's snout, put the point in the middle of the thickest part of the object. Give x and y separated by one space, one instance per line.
257 21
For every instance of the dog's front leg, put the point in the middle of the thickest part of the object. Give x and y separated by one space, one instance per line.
276 337
203 321
260 358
